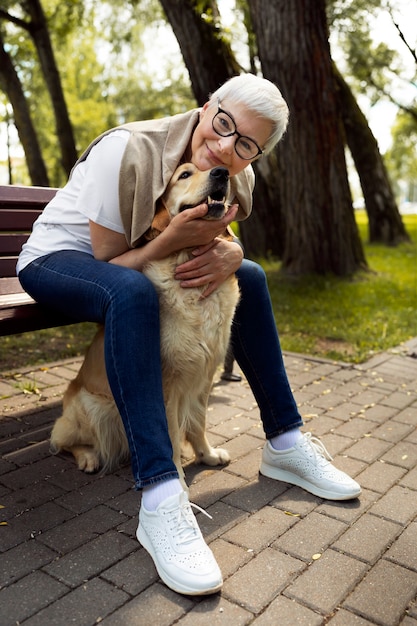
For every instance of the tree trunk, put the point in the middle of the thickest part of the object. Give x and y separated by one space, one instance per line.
39 32
320 229
385 223
207 56
11 85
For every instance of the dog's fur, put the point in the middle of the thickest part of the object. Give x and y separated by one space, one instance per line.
194 338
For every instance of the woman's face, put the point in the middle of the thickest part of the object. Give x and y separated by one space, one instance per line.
211 150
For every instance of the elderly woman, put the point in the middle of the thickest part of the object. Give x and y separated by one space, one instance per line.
85 258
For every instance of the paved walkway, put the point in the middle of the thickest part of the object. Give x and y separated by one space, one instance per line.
68 553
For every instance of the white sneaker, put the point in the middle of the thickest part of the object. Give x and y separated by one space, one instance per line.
173 539
307 465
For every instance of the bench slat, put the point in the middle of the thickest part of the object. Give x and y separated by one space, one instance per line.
19 207
8 266
11 243
18 219
30 317
13 195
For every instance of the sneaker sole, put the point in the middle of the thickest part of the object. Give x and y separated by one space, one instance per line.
288 477
172 584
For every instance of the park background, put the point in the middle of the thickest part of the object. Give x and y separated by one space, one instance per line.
334 220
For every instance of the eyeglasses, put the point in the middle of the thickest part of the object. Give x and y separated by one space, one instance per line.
225 126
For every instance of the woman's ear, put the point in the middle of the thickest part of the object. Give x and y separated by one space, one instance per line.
203 110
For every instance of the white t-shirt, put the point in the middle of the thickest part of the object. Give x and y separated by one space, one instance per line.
92 193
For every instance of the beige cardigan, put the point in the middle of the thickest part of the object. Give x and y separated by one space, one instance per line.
153 152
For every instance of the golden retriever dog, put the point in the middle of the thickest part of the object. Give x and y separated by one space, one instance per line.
195 335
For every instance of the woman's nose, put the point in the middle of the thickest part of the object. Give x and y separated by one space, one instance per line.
227 144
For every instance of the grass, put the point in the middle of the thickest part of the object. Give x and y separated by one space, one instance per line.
325 316
350 319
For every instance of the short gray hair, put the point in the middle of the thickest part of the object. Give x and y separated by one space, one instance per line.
260 96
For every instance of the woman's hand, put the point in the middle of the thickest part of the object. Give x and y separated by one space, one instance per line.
188 230
211 265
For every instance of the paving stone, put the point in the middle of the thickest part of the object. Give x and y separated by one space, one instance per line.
91 559
379 413
404 550
156 605
256 584
216 611
403 454
407 415
380 476
310 536
32 496
346 618
28 596
368 538
134 573
38 471
325 584
369 449
248 466
389 505
384 593
350 510
410 479
229 556
355 428
59 517
223 517
86 605
79 530
260 529
32 523
255 494
102 489
22 560
286 612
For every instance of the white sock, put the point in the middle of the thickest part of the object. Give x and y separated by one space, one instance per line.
153 495
286 440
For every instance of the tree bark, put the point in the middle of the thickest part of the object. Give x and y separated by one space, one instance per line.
207 56
385 222
11 85
320 229
38 29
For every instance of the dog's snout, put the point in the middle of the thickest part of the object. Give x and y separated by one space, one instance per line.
220 173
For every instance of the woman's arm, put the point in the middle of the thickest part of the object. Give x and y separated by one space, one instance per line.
186 230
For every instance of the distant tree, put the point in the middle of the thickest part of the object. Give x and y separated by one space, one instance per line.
11 85
384 219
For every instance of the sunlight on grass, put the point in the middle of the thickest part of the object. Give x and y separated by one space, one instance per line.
350 319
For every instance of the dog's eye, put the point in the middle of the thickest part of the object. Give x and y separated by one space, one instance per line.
184 175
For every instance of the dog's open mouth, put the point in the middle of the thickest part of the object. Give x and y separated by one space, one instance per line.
215 202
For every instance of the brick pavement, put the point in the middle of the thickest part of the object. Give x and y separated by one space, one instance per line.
68 553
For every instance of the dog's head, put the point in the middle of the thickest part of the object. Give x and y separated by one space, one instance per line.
188 188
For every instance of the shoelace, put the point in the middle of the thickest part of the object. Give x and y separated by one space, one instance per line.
318 447
186 528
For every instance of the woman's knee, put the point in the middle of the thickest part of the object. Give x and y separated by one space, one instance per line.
251 277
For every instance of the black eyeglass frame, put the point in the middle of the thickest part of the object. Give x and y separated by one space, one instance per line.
235 132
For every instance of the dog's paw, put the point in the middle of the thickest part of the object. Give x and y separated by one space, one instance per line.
216 456
88 462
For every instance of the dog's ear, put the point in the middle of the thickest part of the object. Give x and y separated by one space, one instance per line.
159 223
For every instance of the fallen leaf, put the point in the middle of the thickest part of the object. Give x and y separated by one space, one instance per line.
292 514
315 557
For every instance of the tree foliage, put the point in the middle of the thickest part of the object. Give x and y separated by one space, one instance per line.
107 77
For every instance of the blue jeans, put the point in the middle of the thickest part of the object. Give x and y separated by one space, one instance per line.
126 302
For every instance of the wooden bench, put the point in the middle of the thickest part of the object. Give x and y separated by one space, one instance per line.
19 207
